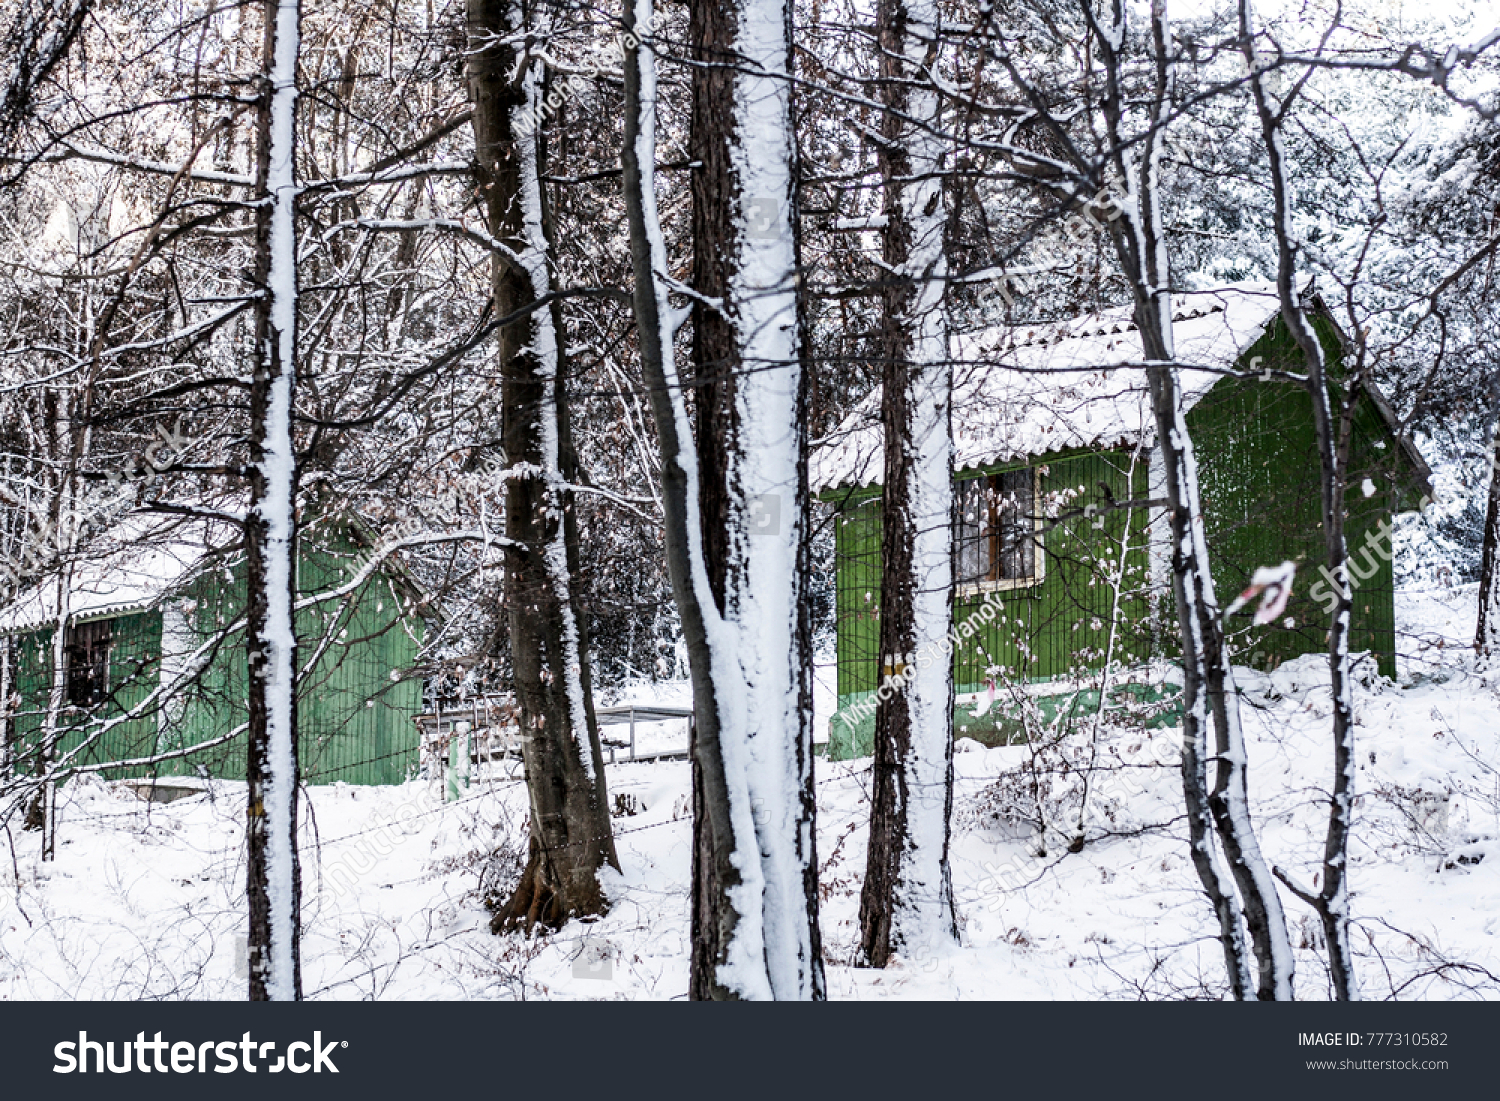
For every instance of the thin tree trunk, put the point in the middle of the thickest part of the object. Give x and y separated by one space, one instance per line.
1209 700
1144 262
1487 634
273 875
1118 583
906 902
1332 900
1188 591
754 892
710 646
1208 682
571 834
37 43
7 709
68 439
39 813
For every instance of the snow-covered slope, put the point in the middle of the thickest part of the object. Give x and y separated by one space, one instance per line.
145 900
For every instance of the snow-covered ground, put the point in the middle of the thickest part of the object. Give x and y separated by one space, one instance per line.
144 900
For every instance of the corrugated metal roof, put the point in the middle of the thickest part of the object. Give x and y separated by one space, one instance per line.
1038 389
127 569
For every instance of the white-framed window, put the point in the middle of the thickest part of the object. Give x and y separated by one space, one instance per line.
997 543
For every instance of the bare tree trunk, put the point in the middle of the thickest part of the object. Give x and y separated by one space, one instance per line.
273 873
1331 903
709 642
1194 598
754 893
58 521
1487 634
7 709
68 440
1191 585
39 811
571 834
710 650
1208 682
36 39
906 902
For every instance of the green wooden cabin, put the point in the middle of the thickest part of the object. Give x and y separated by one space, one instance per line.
155 657
1061 550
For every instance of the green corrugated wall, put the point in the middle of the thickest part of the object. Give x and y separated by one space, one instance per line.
1039 631
1259 477
133 671
354 721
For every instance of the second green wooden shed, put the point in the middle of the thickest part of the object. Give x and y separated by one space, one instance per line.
153 676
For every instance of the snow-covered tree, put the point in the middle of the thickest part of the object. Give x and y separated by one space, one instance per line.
754 895
571 836
906 904
273 865
1332 428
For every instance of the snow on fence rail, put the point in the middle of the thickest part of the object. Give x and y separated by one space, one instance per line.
489 726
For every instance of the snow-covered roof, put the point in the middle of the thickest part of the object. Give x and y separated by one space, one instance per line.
1038 389
128 568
